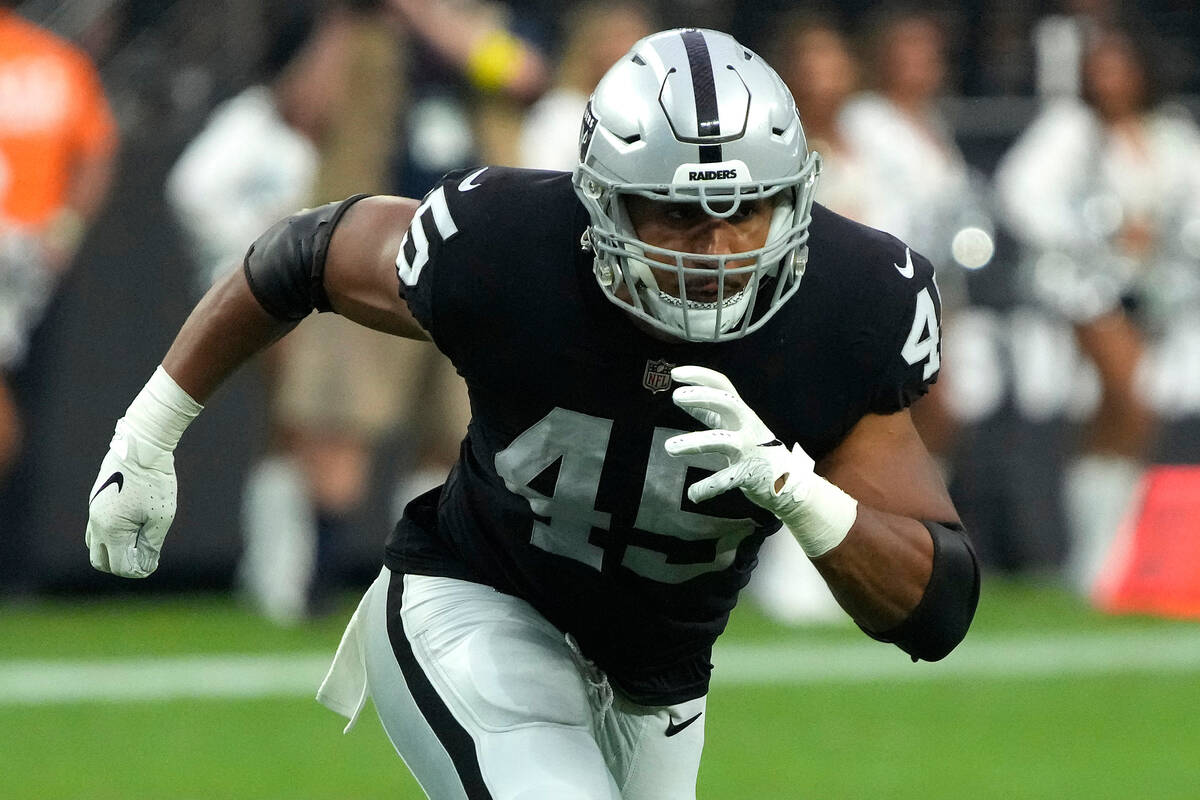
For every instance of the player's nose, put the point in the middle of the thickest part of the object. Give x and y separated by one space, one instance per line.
715 237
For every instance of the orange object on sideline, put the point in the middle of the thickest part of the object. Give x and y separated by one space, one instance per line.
1154 564
52 111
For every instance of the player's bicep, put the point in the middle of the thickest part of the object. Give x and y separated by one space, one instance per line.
884 464
360 267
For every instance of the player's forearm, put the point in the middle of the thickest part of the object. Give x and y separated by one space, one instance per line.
880 570
225 330
912 583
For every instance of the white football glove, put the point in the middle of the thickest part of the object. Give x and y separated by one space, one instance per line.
782 481
132 502
132 505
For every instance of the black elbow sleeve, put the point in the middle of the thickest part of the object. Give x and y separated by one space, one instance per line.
285 267
942 617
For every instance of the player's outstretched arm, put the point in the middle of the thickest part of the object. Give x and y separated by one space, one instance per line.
356 277
873 516
338 257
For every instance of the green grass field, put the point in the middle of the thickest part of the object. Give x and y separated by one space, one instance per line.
1045 700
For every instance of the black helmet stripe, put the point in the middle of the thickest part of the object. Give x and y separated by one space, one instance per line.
704 87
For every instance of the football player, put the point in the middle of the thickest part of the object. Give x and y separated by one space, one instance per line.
672 353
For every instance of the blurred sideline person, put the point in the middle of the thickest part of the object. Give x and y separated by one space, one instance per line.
318 127
925 194
474 37
1105 193
470 77
505 72
58 144
821 71
1059 39
596 35
897 128
544 622
252 162
341 388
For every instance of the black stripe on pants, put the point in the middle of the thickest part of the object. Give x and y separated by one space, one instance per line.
453 736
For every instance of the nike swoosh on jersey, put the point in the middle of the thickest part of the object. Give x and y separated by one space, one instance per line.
907 269
467 183
117 478
673 728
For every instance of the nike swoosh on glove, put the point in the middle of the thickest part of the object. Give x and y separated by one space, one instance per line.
780 480
131 505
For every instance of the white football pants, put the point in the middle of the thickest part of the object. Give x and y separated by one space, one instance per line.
483 698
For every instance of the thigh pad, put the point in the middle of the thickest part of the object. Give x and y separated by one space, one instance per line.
505 673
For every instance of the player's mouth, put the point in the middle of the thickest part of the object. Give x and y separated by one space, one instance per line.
707 290
704 292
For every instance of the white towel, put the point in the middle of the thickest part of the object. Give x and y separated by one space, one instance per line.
344 689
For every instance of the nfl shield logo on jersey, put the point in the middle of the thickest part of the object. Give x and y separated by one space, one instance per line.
657 377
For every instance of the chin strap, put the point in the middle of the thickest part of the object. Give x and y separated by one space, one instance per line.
703 320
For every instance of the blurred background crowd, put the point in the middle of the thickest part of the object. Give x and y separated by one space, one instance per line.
1045 156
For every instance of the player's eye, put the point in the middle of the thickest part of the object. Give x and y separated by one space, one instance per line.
746 210
687 214
681 212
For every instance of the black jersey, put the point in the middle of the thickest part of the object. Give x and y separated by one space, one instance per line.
563 494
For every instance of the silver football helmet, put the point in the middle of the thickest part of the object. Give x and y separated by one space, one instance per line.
691 116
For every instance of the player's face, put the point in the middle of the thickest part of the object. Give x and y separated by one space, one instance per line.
687 227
